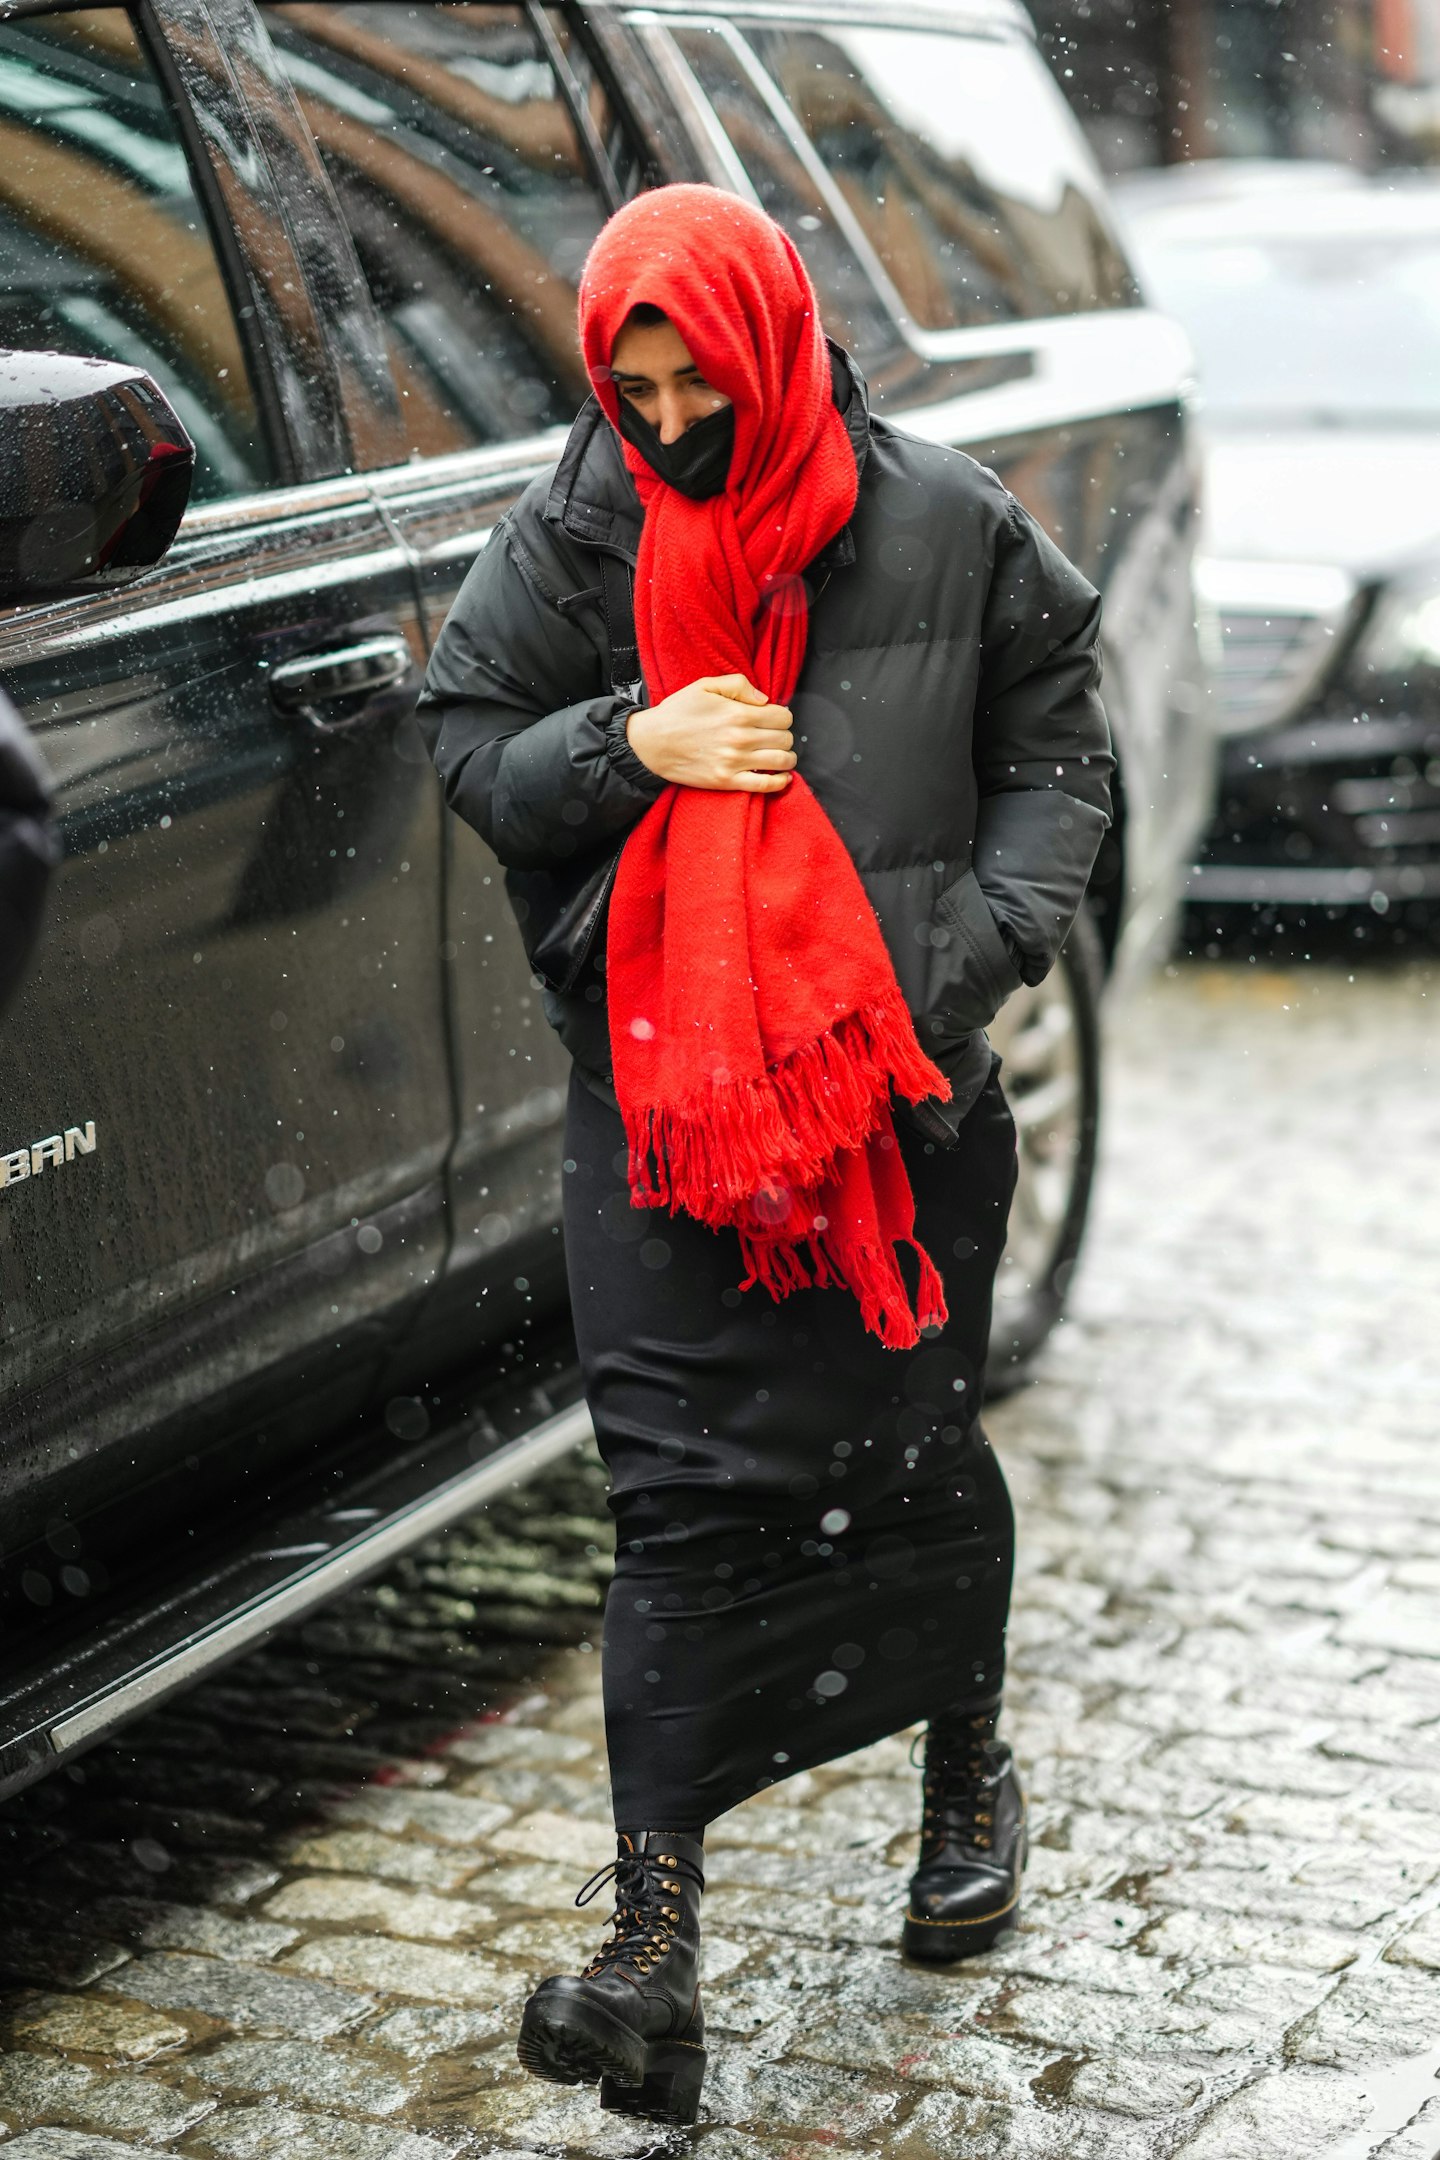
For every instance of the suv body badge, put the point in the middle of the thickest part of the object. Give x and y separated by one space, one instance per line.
48 1154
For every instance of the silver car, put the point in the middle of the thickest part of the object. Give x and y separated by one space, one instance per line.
1312 293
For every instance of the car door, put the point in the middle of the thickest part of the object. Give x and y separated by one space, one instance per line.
475 150
223 1088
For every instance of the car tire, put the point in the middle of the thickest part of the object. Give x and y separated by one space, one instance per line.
1049 1037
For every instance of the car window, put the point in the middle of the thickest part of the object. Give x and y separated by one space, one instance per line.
104 247
963 166
787 188
470 198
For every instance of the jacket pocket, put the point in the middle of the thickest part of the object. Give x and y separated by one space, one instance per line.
971 973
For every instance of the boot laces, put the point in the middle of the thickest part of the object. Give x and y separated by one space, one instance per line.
959 1788
647 1908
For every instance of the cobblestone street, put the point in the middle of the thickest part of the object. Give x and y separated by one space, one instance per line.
295 1913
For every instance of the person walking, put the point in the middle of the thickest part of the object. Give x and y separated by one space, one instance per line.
783 827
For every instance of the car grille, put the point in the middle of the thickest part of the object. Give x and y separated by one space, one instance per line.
1391 813
1338 811
1269 664
1275 631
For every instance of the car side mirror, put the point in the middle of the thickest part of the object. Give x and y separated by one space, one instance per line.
95 473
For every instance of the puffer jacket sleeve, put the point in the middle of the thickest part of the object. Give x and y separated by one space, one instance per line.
1042 744
518 716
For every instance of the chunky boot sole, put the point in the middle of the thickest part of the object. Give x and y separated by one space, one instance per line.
669 2092
576 2043
579 2043
946 1942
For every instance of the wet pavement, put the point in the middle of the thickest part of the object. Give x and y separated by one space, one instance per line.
295 1913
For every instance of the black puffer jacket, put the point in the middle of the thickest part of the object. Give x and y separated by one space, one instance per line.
947 716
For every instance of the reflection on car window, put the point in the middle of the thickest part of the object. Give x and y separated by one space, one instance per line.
104 249
470 200
962 164
853 311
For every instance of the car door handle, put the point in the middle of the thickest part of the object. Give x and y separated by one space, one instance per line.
345 677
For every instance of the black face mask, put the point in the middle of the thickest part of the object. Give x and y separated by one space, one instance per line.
698 464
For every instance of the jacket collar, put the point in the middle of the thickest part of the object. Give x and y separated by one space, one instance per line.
852 396
592 497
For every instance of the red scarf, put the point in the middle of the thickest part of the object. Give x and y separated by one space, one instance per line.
756 1024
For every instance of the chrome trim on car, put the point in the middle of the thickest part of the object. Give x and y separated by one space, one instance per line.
360 670
511 464
223 599
692 104
18 1165
967 18
342 1566
1083 367
1262 884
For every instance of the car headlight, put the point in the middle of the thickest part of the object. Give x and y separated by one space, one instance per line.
1402 637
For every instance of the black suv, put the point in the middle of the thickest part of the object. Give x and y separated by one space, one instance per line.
279 1112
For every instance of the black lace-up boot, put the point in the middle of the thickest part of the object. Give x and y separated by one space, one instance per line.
966 1890
632 2018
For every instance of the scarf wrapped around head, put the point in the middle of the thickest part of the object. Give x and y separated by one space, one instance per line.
756 1025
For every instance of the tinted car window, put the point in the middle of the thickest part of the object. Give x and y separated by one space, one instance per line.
470 199
788 189
104 248
962 164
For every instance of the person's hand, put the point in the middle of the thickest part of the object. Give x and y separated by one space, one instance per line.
719 732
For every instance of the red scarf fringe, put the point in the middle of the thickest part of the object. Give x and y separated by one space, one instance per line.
710 1154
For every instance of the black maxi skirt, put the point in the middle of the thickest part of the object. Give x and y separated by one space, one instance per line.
814 1541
